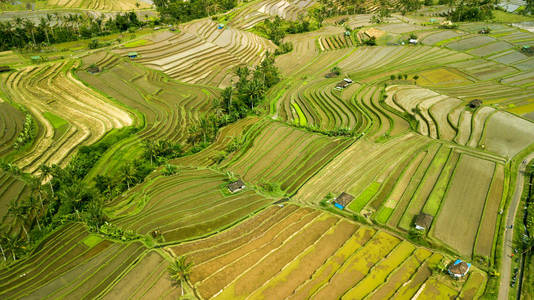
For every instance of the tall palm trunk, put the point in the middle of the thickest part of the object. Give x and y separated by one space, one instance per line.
3 253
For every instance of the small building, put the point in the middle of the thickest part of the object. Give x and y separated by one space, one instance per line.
330 75
343 200
220 26
93 69
132 55
4 69
413 41
236 186
343 84
423 221
475 103
459 268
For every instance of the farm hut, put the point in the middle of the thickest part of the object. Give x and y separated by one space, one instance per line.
343 200
459 268
220 26
236 186
423 221
341 85
348 80
413 41
93 69
475 103
4 69
330 75
132 55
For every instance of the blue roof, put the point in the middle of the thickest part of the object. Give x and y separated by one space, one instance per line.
338 205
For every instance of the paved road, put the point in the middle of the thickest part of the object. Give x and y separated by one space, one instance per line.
506 262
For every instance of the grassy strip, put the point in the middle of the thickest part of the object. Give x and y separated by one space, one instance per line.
370 191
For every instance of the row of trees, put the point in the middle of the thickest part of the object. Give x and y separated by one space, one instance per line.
55 28
66 196
183 11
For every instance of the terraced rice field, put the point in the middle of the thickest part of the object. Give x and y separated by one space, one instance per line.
284 155
12 189
11 125
111 5
168 108
201 53
69 264
296 252
53 88
187 205
335 42
261 10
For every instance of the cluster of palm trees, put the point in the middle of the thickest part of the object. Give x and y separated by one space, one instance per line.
183 11
180 270
55 28
25 213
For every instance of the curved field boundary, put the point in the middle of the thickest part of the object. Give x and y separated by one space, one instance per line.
188 205
53 88
295 252
108 5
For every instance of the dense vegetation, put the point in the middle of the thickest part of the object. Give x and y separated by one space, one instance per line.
183 11
24 33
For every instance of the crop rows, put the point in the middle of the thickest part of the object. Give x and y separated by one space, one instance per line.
69 264
335 42
201 53
11 125
284 155
168 107
257 12
184 206
12 190
296 253
52 88
113 5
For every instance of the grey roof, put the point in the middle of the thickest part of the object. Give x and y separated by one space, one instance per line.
344 199
236 185
423 220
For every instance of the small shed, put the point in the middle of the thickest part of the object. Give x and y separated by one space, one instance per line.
413 41
93 69
132 55
343 200
330 75
341 85
4 69
459 268
423 221
475 103
220 26
236 186
348 80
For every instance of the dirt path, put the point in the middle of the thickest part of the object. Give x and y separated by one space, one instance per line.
506 264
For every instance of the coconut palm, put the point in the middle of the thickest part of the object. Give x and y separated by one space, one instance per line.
3 242
18 212
180 270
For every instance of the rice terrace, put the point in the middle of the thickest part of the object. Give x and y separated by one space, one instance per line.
266 149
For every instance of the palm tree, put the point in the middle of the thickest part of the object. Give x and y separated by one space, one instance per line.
180 270
46 171
33 207
3 241
18 212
